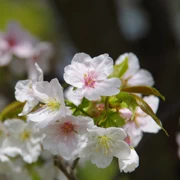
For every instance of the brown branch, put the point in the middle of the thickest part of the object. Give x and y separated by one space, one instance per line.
58 163
74 166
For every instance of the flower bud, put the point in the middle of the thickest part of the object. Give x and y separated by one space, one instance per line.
125 113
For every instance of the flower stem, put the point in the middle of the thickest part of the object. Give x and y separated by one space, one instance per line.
106 110
58 163
70 104
74 165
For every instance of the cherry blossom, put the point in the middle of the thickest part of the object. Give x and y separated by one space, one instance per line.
5 148
25 137
16 42
90 76
134 76
102 144
125 113
142 122
50 94
130 163
63 136
24 91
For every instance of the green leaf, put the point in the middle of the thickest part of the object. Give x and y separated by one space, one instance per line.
146 90
78 110
84 103
147 109
12 110
114 119
120 69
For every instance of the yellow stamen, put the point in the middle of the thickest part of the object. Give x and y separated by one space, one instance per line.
52 104
25 135
104 144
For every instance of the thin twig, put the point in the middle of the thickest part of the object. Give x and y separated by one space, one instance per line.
57 162
74 166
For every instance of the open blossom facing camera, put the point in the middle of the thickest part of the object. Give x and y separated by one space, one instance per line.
134 76
63 136
103 144
24 137
142 122
3 136
24 91
50 94
90 76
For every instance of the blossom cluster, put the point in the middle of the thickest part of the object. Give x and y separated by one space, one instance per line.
101 115
16 43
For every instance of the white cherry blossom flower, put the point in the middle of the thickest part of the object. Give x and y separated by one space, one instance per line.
130 163
25 137
142 122
62 136
53 107
5 149
90 76
134 76
24 91
102 144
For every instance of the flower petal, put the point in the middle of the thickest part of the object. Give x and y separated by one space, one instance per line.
142 77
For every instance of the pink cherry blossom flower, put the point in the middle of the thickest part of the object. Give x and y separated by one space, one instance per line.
16 41
125 113
62 136
90 76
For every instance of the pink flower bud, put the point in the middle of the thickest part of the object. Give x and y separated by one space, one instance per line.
125 113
